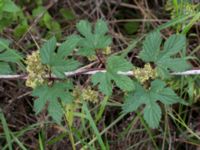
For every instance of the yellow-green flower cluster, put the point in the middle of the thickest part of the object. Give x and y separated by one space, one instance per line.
107 50
36 70
86 94
90 95
77 94
144 74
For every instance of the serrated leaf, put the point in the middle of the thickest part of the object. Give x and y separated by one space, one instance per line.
164 59
100 27
55 111
104 80
10 55
174 44
162 93
47 50
86 51
7 55
117 63
42 94
92 40
85 28
58 91
58 62
174 64
157 92
135 99
104 83
123 82
5 68
60 66
151 47
152 115
68 46
101 41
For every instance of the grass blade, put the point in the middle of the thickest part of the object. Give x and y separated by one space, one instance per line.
92 123
6 130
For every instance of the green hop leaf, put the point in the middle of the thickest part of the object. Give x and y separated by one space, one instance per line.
47 50
165 59
91 41
113 66
157 92
52 95
5 68
7 56
59 62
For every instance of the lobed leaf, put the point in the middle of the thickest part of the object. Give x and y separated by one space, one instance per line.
157 92
68 46
5 68
58 91
151 47
117 63
47 50
152 115
85 28
104 82
114 64
92 40
165 60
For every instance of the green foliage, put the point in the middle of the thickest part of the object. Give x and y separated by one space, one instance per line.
67 14
90 40
152 111
131 27
165 59
9 6
113 66
180 8
53 95
7 56
10 13
47 21
58 61
170 58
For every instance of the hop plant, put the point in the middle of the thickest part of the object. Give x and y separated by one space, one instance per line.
144 74
90 95
87 94
36 70
106 51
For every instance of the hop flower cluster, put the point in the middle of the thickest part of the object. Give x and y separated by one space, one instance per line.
87 94
144 74
36 70
90 95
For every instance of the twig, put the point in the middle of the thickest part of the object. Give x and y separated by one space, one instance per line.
94 71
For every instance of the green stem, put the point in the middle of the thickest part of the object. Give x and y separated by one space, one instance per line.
71 137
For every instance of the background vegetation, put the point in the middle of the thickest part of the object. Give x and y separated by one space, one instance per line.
26 25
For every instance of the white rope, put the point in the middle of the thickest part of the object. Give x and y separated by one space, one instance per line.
80 72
